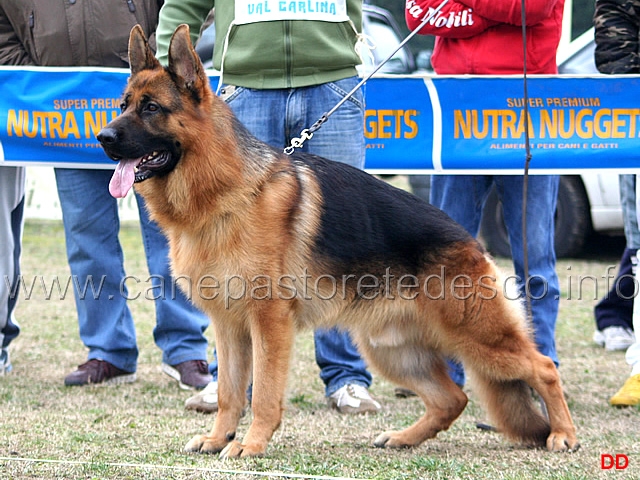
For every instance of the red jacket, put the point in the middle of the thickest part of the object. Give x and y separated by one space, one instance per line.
485 36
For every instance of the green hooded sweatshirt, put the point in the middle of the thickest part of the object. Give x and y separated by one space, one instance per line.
278 53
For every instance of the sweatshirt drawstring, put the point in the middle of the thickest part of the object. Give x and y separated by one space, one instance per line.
224 54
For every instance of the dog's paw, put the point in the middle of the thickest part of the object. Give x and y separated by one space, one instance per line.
203 444
390 440
193 445
235 449
562 442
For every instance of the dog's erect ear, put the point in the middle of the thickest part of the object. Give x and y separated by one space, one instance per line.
140 55
185 63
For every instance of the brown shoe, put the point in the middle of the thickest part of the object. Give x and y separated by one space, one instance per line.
191 375
98 372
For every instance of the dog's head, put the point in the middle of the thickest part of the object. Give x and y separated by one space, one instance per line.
148 138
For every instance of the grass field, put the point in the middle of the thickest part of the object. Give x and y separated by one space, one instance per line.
138 430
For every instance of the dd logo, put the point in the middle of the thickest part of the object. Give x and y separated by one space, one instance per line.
619 461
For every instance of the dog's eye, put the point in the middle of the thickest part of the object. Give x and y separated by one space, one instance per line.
152 107
123 107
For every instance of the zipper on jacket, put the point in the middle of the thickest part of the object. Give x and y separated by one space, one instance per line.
32 20
132 7
287 53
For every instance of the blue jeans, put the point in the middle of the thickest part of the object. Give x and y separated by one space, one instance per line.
277 116
11 223
462 198
627 184
91 224
616 308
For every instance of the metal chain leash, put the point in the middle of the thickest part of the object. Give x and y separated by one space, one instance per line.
307 133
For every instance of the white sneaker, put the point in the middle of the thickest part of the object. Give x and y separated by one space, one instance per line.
353 398
614 338
205 401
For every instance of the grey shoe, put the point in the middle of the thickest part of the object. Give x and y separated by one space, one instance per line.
353 398
403 392
205 401
5 362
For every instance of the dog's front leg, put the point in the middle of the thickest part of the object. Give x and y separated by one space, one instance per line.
272 333
233 345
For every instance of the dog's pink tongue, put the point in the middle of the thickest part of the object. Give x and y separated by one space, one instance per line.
123 178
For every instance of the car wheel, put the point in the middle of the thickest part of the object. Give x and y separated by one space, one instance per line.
572 222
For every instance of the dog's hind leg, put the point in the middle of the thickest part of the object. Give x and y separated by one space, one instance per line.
508 398
424 372
546 381
273 332
503 363
233 346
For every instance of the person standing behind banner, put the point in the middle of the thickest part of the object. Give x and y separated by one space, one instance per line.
617 25
484 37
96 33
11 223
281 74
617 36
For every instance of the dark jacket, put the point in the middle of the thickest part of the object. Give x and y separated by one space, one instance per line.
72 32
617 26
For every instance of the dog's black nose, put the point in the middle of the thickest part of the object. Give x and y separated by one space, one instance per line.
107 136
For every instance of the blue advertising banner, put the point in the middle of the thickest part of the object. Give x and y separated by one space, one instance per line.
398 124
574 123
413 124
51 116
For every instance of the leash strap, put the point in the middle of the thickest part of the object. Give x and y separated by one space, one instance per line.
307 133
527 161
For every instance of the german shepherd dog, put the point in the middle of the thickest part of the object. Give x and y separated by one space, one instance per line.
285 242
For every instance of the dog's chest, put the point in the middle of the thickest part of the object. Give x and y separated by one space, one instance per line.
203 254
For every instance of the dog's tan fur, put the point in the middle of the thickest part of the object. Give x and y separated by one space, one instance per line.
235 208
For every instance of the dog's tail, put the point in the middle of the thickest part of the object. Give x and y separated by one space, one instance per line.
513 411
